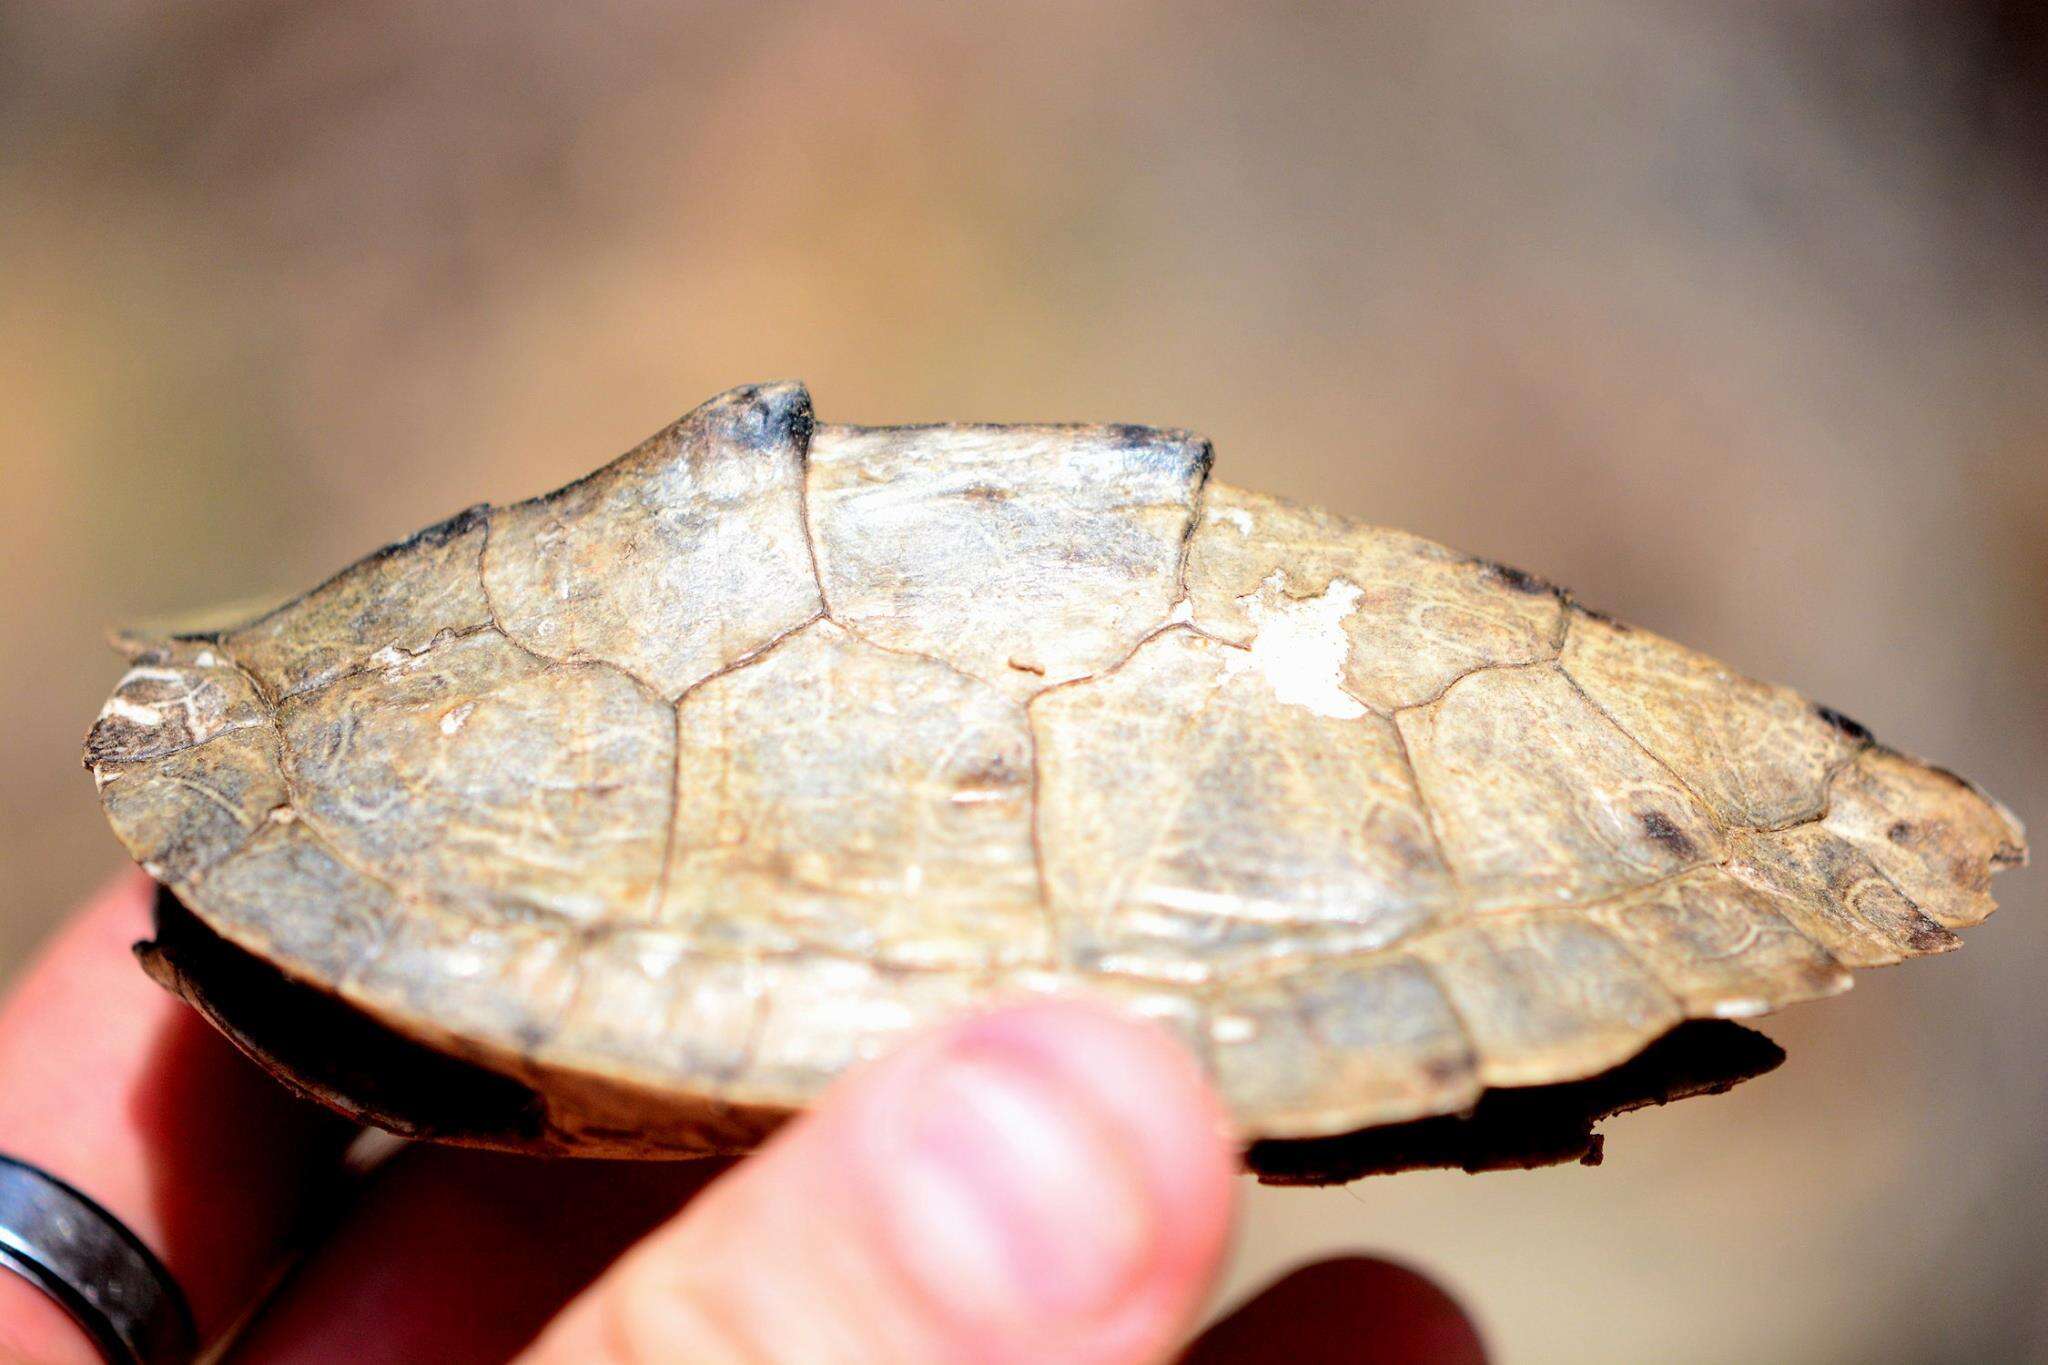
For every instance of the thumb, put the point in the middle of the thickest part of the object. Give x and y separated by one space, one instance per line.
1046 1182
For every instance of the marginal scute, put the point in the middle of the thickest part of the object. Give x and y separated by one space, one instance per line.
678 559
1423 615
285 896
176 695
1934 835
1343 1045
1192 821
1179 1009
1723 948
648 1007
181 813
824 1015
911 844
1543 995
1835 894
394 602
1754 753
477 987
1541 800
480 776
1025 556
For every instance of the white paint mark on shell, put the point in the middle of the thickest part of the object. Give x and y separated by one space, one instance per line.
1301 646
456 717
1235 516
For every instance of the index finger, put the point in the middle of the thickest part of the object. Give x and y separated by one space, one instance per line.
113 1085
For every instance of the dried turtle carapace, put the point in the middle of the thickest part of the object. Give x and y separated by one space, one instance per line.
622 820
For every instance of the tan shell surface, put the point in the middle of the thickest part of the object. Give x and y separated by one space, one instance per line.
678 791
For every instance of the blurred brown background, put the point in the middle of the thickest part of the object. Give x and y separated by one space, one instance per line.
1732 316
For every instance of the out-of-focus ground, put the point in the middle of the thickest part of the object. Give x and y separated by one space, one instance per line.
1732 316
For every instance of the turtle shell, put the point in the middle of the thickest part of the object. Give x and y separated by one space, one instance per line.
668 796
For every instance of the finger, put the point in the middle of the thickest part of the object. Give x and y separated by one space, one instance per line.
116 1087
1350 1309
457 1256
1047 1182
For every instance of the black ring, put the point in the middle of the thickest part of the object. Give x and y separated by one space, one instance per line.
98 1271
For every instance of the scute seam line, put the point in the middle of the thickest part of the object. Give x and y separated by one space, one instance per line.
1471 672
1429 819
1703 807
363 666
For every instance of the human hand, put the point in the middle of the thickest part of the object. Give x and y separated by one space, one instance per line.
1043 1182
